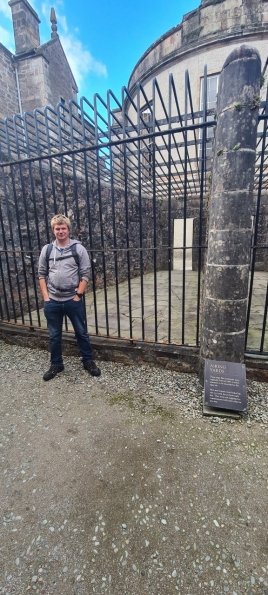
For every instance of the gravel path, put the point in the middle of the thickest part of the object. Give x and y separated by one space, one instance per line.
119 485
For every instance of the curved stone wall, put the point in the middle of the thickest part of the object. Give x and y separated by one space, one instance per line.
205 36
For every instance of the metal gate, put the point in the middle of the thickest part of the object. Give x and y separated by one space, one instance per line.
123 171
128 173
257 330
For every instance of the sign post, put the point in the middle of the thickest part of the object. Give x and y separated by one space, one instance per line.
225 388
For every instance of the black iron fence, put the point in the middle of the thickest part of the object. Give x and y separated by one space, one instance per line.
134 176
257 331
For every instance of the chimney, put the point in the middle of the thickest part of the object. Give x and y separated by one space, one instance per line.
25 25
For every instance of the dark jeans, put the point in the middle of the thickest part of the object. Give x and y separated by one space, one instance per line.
54 313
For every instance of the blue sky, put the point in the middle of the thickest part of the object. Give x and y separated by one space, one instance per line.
103 40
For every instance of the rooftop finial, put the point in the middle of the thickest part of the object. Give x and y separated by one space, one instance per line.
53 21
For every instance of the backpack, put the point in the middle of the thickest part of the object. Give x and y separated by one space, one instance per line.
73 255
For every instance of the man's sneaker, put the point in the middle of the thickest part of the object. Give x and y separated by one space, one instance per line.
92 368
52 372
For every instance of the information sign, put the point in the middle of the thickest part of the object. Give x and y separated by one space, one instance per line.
225 385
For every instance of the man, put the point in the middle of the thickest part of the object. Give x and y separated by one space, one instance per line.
63 273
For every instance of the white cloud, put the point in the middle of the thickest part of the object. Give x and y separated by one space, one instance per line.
5 9
7 39
45 7
80 59
62 22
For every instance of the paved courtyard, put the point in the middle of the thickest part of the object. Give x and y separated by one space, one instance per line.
108 317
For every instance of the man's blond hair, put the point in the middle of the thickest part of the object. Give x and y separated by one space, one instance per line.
60 220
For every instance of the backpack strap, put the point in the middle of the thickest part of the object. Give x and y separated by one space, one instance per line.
74 255
48 252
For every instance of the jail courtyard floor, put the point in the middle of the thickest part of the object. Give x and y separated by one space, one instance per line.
113 320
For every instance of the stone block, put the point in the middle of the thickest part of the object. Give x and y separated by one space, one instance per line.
236 126
230 210
227 246
227 347
241 78
227 283
234 171
223 316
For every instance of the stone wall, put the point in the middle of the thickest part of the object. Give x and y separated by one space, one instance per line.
45 77
9 104
103 231
215 22
179 358
31 73
60 79
261 255
30 195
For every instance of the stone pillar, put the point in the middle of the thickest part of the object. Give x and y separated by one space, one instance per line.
25 25
231 208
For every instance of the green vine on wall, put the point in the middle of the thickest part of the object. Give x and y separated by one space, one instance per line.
238 106
256 102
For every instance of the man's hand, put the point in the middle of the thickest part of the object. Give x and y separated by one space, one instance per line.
43 287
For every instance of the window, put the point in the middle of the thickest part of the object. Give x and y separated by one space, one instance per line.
212 90
147 148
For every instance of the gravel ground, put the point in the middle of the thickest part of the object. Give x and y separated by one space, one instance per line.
120 485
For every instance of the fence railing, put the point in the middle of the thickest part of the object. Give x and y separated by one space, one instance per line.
257 328
134 176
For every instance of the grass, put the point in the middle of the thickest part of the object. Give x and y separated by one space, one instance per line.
134 401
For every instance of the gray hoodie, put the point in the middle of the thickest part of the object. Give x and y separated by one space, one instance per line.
63 275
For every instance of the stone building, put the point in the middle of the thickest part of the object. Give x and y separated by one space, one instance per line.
36 75
151 201
205 37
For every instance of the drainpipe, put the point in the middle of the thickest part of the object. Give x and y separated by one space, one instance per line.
18 86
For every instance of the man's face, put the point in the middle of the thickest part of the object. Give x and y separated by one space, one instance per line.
61 232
